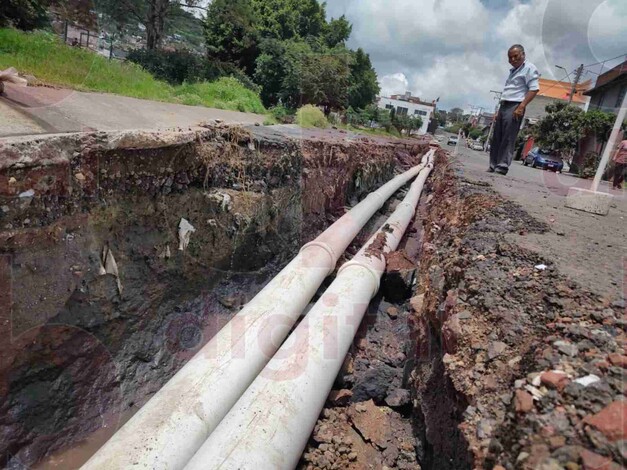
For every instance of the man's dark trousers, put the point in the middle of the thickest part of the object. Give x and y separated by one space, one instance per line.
506 130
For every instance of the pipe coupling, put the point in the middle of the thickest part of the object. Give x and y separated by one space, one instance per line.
327 249
376 277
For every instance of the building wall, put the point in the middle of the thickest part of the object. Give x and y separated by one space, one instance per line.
413 109
536 109
607 99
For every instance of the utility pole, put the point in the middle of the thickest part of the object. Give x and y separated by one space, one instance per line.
578 74
497 97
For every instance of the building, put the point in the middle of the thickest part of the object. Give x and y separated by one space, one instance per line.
407 105
553 90
609 90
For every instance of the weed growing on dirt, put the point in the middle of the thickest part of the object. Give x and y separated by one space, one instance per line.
311 116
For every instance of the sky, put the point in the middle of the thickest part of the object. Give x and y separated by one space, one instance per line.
457 49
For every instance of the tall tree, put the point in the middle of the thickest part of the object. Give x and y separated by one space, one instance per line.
364 86
151 13
23 14
230 33
337 31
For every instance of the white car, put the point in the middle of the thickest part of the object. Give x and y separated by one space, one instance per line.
476 145
452 140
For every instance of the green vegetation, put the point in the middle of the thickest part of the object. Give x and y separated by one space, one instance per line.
44 56
292 52
310 116
565 125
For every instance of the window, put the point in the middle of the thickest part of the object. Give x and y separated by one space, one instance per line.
389 106
402 111
421 113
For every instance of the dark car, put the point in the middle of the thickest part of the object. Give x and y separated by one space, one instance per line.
545 159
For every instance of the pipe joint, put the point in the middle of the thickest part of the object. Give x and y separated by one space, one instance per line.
327 249
376 277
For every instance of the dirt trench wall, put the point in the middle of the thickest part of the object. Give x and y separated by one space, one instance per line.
490 330
87 339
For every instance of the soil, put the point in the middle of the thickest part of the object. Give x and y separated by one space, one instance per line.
90 340
496 360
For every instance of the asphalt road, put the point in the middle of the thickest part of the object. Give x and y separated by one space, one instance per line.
589 248
50 110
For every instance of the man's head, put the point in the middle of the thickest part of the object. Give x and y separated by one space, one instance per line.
516 55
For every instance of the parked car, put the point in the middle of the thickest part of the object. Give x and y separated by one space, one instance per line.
476 145
545 159
452 140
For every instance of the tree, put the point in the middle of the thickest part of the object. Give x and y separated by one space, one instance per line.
23 14
364 85
456 114
560 130
289 19
151 13
231 35
338 31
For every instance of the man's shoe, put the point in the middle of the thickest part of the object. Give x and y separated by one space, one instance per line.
501 171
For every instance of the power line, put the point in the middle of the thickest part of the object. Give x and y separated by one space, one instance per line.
606 60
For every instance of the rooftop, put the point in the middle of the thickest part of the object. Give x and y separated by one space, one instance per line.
561 90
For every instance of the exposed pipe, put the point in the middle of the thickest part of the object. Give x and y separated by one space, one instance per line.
271 423
167 431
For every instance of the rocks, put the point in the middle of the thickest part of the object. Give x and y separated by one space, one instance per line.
397 398
554 379
495 349
618 360
566 348
523 401
340 397
611 421
392 312
593 461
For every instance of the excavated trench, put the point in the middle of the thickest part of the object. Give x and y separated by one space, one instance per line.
102 304
439 376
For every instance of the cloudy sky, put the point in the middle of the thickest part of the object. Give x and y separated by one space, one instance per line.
457 49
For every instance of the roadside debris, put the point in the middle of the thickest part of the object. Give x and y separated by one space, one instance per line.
185 231
108 265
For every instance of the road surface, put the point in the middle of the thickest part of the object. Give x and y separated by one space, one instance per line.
33 110
591 249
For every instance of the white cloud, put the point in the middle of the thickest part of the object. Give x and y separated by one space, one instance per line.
457 49
394 84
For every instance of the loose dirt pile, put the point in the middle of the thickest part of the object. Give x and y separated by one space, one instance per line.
496 361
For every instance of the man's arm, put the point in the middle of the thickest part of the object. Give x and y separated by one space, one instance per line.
519 112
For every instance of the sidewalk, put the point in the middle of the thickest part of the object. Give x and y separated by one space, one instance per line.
589 248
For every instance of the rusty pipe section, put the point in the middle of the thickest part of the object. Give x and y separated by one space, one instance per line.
271 423
167 431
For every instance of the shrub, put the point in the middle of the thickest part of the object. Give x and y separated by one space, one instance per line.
225 93
174 67
589 165
178 67
311 116
282 114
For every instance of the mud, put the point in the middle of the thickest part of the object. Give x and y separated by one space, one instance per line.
86 348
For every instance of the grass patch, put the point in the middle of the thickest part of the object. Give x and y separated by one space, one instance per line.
310 116
43 55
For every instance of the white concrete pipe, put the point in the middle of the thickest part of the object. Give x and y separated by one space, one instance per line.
167 431
270 425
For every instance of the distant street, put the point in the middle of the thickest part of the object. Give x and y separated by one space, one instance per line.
589 248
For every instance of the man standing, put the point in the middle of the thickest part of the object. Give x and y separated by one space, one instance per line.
521 87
